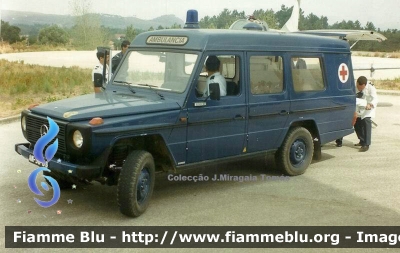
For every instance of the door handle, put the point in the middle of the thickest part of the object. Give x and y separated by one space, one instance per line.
237 117
283 113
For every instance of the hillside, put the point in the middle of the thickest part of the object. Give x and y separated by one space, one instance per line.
111 21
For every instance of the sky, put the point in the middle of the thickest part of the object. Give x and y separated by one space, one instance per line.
383 14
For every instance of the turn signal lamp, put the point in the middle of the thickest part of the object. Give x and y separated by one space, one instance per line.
96 121
32 106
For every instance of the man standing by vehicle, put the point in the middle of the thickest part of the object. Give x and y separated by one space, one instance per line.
118 57
363 126
97 72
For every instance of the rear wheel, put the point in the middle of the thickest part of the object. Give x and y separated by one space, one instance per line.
296 152
136 183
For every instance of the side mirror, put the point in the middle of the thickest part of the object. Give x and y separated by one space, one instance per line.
98 80
215 91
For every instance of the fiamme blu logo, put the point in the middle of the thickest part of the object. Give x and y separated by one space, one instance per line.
48 134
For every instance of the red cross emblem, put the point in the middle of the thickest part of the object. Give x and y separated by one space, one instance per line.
343 73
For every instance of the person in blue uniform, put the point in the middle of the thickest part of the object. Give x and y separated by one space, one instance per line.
118 57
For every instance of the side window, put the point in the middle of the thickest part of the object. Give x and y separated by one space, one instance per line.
307 74
229 68
266 74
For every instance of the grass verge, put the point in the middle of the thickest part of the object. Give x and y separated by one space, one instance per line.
24 84
388 84
19 47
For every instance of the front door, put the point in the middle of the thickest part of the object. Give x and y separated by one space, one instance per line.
217 129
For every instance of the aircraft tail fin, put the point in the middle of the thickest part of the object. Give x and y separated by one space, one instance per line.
292 25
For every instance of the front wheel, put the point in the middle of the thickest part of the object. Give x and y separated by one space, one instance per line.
136 183
296 152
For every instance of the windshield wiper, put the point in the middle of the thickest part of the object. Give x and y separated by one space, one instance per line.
129 85
151 88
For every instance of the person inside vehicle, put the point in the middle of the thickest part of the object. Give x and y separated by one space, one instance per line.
214 76
299 63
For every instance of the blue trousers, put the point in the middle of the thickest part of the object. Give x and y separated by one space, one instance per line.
363 128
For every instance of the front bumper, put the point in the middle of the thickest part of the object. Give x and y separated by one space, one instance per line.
88 172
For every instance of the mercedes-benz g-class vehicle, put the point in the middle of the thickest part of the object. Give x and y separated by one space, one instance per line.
285 93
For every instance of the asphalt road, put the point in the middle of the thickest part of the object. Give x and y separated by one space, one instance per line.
345 188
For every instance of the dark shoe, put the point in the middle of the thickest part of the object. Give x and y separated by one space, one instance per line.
364 148
338 145
358 145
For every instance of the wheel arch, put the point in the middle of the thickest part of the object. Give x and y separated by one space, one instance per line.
312 127
308 124
155 144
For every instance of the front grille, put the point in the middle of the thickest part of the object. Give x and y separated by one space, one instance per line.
33 124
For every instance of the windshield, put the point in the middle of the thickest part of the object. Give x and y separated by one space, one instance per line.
156 70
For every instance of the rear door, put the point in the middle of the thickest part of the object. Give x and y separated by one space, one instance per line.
268 100
311 98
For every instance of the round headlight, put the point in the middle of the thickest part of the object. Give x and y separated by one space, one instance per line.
77 139
23 123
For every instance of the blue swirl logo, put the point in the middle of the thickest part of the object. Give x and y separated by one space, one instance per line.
48 134
34 188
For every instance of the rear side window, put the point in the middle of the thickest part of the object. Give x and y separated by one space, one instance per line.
266 74
307 74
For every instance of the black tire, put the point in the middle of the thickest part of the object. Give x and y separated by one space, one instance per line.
64 184
136 183
296 152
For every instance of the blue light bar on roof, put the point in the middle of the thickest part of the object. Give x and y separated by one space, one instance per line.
192 20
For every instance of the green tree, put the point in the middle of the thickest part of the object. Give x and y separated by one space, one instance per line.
87 32
176 26
357 25
32 40
205 22
313 22
370 26
268 17
340 25
283 15
223 21
9 32
53 35
130 33
226 18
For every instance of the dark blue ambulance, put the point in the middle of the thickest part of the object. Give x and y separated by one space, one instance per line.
285 93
